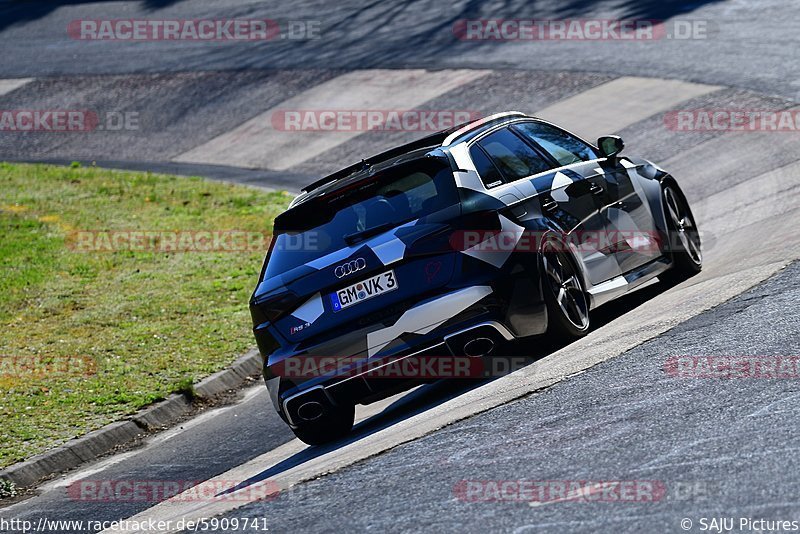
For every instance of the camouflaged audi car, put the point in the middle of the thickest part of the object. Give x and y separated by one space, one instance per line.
454 245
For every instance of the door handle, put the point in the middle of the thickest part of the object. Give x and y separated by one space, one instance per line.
549 204
596 189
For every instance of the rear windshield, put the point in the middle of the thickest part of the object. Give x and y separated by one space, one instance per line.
356 212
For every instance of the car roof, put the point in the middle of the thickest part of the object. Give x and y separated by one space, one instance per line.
424 147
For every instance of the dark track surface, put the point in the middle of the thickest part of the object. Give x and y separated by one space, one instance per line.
748 43
721 447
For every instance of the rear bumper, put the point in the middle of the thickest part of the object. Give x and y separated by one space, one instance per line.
378 378
445 327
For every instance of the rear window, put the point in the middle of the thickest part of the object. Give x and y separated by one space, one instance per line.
356 212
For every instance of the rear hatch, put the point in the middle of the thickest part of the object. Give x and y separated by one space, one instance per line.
342 260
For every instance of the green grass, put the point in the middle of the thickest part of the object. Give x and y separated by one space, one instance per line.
152 322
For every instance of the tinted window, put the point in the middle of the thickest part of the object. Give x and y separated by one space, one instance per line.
319 226
486 169
565 148
512 155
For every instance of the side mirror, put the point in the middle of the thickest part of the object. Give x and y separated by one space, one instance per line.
610 145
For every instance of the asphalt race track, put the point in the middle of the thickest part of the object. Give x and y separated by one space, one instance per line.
604 408
621 420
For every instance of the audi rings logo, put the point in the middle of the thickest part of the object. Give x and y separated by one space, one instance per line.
350 267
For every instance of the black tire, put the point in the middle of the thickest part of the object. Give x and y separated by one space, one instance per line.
334 424
564 294
684 237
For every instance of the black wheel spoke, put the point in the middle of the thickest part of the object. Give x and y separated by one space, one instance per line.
683 225
572 283
581 310
684 239
693 248
672 205
566 288
572 306
561 298
551 272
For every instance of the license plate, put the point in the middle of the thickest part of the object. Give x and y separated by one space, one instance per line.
364 290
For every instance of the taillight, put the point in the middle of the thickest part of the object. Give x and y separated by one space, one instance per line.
474 228
270 309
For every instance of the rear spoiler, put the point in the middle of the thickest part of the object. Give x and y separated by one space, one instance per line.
432 141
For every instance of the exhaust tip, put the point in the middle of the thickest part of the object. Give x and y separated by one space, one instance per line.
480 346
310 411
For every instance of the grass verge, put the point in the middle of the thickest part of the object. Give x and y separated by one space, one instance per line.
89 335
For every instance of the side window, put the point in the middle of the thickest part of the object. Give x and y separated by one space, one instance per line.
565 148
486 169
512 155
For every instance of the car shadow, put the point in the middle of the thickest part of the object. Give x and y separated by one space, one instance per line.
14 12
409 30
349 45
427 397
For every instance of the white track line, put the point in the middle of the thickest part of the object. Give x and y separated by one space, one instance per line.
724 155
610 107
257 144
775 194
8 85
